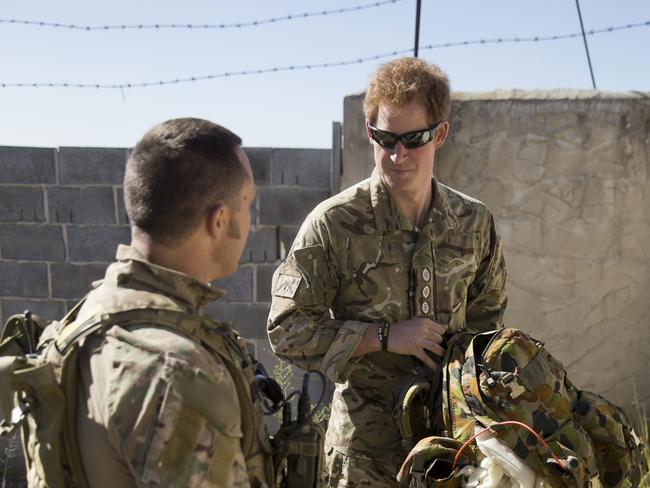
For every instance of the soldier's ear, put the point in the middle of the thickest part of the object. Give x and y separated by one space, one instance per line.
368 131
441 134
217 220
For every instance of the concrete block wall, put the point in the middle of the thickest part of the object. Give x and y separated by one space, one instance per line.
567 177
62 217
59 224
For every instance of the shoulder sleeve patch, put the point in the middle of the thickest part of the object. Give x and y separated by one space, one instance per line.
287 285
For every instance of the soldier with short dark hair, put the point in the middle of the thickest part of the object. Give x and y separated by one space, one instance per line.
164 394
380 273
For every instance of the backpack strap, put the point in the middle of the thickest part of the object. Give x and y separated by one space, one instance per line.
470 374
69 383
182 322
455 414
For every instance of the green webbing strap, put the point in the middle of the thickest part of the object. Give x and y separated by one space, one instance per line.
69 430
177 320
72 313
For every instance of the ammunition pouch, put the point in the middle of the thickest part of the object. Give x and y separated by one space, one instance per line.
298 447
298 455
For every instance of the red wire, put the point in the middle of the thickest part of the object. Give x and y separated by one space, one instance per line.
507 422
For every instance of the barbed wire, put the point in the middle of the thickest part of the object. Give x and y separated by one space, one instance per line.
223 25
227 74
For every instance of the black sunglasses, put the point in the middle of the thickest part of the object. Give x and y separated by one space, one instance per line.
410 140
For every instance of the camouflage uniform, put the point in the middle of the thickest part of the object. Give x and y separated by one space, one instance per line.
155 407
357 260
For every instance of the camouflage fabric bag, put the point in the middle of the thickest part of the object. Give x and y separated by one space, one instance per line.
506 375
29 380
538 391
18 337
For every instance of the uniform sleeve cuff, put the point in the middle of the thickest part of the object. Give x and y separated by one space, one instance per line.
338 355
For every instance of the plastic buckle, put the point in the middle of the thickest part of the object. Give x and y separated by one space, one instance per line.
18 416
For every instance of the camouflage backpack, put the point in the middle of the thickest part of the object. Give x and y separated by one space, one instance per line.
505 375
23 368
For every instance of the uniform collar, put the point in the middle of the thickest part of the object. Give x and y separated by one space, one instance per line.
388 218
133 270
440 218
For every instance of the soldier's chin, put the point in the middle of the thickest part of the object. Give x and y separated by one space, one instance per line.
398 180
226 271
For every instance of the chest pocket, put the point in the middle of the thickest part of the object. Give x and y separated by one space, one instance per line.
374 281
456 261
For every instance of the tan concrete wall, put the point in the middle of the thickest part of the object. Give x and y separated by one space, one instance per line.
567 176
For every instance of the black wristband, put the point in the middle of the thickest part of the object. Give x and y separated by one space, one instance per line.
383 335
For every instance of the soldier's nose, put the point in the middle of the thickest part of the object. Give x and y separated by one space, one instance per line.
398 154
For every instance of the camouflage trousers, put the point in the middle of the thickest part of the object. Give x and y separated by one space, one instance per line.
350 470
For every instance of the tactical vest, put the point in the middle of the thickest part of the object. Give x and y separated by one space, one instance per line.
49 379
505 375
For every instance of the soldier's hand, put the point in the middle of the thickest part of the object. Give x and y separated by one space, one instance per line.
415 337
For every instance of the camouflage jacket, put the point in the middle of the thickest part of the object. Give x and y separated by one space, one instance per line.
156 407
357 260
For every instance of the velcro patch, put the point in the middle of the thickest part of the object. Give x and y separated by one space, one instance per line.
287 285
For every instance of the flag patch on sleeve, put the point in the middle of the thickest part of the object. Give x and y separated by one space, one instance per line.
287 285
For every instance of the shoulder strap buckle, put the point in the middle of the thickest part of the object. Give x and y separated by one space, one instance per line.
18 416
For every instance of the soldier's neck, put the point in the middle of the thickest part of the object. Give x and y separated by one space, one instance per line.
414 205
183 257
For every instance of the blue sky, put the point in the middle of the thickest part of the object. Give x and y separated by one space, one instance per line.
292 108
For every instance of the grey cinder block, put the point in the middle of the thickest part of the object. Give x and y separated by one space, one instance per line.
91 205
287 205
73 280
95 243
48 309
249 319
21 204
263 282
252 211
261 246
23 279
304 167
91 165
32 241
260 159
238 286
32 165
